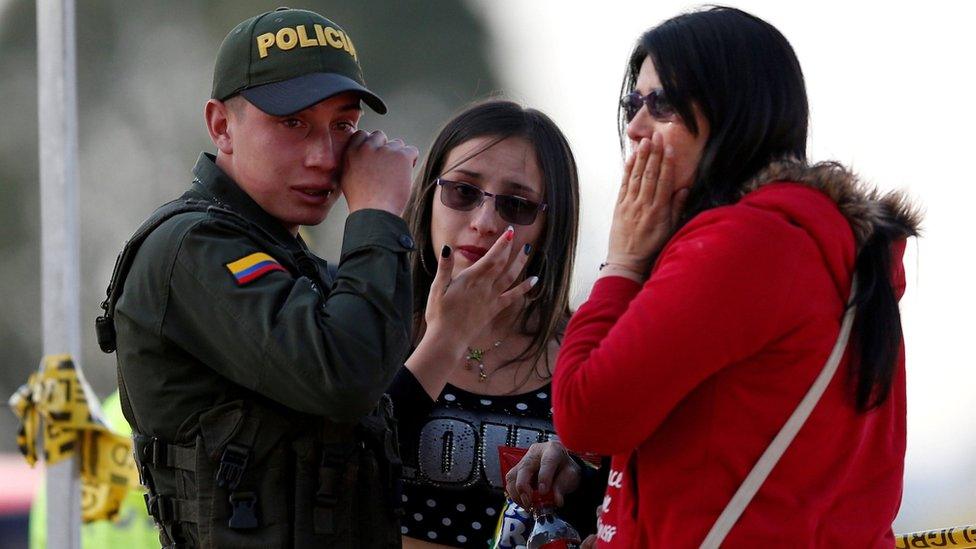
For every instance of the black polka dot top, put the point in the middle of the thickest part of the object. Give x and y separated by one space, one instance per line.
453 488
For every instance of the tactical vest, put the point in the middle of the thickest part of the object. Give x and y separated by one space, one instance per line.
256 473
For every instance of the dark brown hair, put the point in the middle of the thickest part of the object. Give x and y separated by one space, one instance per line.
547 311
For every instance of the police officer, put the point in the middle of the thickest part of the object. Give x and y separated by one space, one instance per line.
250 371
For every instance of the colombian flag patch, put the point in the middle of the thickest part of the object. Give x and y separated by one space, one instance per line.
253 267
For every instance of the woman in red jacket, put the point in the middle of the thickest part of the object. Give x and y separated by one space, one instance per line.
729 269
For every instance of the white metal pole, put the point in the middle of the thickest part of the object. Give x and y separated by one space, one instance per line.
60 271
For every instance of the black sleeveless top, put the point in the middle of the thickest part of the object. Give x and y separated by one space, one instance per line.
453 489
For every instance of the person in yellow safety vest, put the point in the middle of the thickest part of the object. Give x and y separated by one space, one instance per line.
134 527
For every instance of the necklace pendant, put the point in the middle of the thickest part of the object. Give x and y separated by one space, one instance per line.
475 354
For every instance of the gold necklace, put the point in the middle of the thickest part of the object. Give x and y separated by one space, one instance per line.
478 357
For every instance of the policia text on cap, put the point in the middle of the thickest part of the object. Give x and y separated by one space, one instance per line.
249 369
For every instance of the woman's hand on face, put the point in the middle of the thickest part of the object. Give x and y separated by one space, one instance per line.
460 310
465 305
546 466
647 207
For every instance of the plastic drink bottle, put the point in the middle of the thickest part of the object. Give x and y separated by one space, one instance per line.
550 531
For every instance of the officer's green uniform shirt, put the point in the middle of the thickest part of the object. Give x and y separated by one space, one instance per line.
192 335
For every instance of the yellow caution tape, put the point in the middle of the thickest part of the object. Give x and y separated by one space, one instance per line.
959 537
54 399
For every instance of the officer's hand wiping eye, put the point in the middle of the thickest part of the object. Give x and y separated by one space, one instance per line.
376 172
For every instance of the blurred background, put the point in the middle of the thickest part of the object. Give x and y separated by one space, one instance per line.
890 95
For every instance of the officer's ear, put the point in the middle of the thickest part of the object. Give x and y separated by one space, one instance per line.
217 113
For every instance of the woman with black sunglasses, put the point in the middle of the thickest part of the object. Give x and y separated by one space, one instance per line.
709 359
494 212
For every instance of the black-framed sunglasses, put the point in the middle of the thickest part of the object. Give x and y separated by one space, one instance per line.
657 104
466 197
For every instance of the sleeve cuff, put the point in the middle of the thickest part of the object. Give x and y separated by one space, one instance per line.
366 228
615 287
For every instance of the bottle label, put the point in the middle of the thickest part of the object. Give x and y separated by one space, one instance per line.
514 526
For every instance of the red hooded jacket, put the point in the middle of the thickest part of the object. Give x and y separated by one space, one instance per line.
686 379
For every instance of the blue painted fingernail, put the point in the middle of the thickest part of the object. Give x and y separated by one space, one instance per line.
527 248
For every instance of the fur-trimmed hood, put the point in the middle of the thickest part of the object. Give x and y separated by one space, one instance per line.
886 219
868 211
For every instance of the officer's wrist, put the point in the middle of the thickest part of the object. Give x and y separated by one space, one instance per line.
390 208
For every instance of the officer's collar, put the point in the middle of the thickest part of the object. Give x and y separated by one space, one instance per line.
213 184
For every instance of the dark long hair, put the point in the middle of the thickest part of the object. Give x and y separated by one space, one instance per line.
746 81
547 311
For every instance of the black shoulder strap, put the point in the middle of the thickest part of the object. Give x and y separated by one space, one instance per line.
105 323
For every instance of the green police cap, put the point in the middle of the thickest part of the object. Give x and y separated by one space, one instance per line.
287 60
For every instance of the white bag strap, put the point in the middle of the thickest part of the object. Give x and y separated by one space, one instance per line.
778 446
